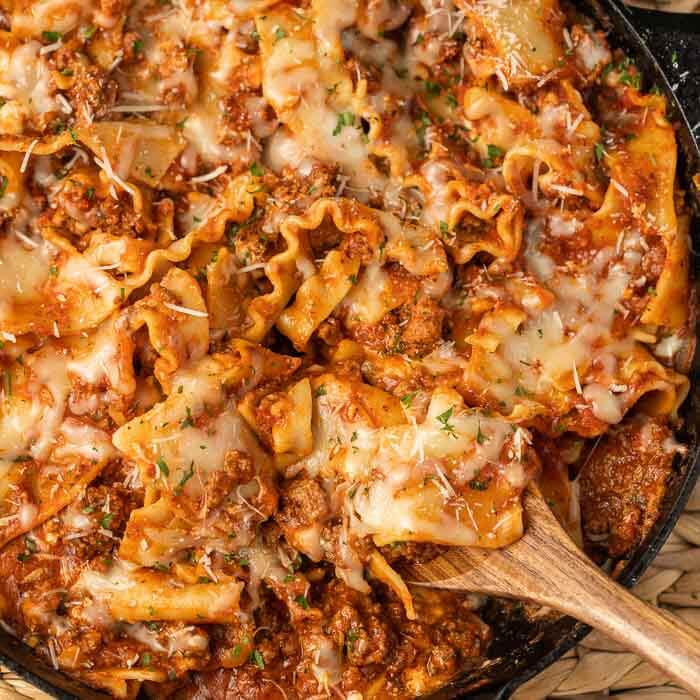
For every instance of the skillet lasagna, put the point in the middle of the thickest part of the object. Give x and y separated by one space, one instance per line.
292 293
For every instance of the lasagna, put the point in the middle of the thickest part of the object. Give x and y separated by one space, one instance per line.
293 293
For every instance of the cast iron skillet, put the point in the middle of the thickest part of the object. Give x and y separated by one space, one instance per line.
666 47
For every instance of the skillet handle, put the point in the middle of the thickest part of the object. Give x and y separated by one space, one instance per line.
674 40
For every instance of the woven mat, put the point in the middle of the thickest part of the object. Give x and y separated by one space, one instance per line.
598 667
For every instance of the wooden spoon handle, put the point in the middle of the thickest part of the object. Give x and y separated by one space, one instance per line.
547 568
665 642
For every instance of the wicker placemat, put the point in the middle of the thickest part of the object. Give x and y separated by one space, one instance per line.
601 668
598 667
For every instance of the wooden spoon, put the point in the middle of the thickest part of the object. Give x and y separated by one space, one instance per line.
547 568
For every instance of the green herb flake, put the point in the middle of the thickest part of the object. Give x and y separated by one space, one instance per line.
344 119
185 478
321 391
53 271
302 602
187 422
280 33
599 151
444 420
163 467
481 438
256 170
492 154
257 659
432 89
137 46
479 484
4 182
145 660
52 37
106 521
407 399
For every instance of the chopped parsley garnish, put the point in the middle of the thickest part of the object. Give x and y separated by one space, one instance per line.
302 602
4 182
106 521
419 40
432 89
257 659
352 279
137 46
90 193
481 438
452 101
163 467
425 122
145 659
631 79
444 228
492 153
599 151
407 399
280 33
256 170
87 32
479 484
185 478
52 37
344 119
522 392
53 271
444 420
321 391
187 422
